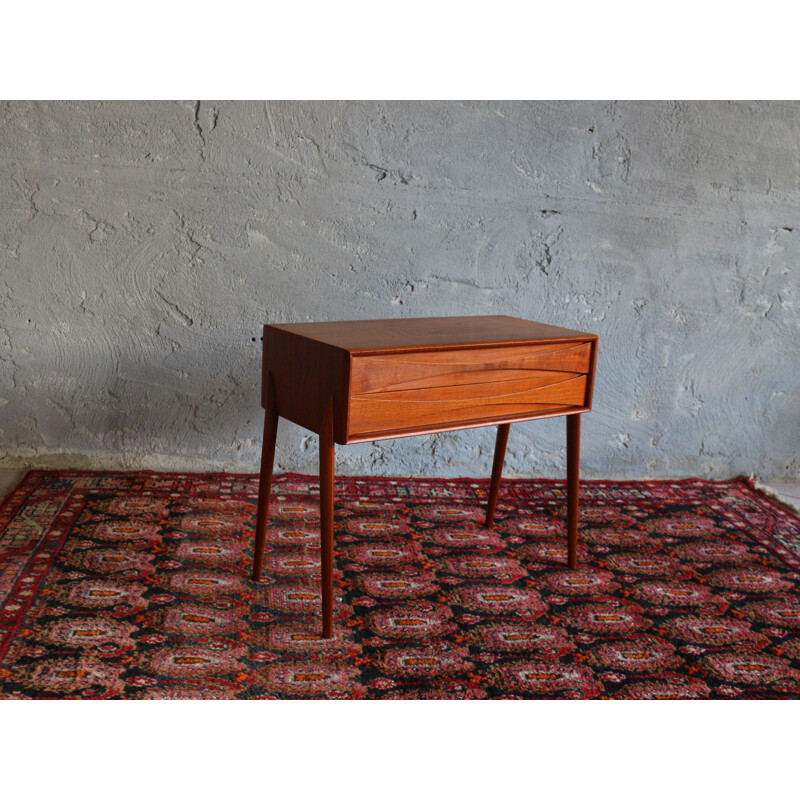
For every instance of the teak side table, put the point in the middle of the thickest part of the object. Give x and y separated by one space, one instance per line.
368 380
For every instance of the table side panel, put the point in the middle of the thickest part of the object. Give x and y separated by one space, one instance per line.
592 366
305 375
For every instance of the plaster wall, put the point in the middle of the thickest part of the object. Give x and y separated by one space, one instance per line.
143 245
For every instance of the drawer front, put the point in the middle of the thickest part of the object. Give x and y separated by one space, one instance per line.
418 390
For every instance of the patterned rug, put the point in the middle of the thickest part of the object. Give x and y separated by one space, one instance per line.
136 585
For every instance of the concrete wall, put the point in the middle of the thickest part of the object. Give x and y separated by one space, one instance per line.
143 244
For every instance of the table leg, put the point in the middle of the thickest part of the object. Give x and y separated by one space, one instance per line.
497 469
573 469
326 453
265 484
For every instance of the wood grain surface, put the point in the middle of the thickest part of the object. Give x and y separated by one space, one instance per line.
395 411
429 333
387 373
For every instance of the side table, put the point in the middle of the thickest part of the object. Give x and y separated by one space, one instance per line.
368 380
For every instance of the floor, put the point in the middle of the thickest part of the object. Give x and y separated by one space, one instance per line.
788 492
9 478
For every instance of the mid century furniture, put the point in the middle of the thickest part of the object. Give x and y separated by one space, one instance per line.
380 379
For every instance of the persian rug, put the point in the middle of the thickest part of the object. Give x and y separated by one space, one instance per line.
137 585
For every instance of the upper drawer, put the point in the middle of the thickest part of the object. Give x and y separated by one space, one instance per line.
453 367
448 387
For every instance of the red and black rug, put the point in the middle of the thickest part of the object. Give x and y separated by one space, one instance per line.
136 585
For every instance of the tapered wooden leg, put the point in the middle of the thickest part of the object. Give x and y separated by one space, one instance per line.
497 469
264 485
326 452
573 471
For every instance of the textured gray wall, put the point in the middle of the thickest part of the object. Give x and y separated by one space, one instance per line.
143 244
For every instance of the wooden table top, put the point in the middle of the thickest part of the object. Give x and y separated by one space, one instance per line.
430 333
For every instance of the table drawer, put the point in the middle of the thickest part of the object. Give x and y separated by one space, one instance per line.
444 387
